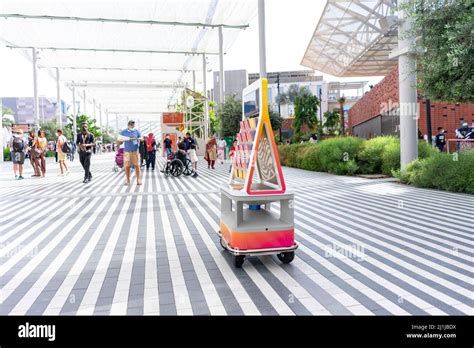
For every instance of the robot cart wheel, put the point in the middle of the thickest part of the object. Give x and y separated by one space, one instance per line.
286 257
239 260
222 244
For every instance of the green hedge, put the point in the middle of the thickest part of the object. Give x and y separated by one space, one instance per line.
391 155
449 172
351 155
336 155
339 155
371 154
6 154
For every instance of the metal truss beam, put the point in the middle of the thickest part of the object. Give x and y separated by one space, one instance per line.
80 49
125 21
110 69
124 85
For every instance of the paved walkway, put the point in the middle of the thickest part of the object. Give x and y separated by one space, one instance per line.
366 247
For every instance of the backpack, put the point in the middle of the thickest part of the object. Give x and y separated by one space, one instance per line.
18 144
66 148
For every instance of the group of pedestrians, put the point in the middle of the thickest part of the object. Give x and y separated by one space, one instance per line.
215 150
35 148
139 151
186 147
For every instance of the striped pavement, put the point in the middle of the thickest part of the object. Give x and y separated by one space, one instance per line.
366 247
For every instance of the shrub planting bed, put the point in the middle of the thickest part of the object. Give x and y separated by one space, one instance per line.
381 155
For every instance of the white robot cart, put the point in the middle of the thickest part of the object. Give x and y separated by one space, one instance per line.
248 226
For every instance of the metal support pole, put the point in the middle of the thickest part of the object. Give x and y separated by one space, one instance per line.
100 122
428 120
194 80
261 38
94 111
206 102
321 106
58 98
85 102
107 121
279 103
408 95
221 67
35 87
74 113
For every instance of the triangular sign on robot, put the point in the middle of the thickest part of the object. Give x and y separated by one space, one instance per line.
256 166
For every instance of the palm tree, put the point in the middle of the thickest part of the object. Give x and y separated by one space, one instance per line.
342 101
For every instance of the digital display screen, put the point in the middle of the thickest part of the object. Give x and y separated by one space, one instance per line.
252 104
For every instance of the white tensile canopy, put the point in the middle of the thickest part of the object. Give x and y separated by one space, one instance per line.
130 56
354 38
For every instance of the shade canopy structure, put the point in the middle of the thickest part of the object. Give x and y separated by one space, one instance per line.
354 38
133 55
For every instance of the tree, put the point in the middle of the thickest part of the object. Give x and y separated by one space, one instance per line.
229 115
275 119
107 139
6 111
331 123
80 119
306 111
289 97
213 124
342 101
442 30
7 117
50 128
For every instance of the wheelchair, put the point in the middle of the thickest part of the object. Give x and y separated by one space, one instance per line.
177 163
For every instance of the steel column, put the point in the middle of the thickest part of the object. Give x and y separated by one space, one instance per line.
35 87
74 113
261 38
58 99
221 67
206 102
85 102
408 95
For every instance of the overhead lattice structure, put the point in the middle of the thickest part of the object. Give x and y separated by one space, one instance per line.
130 56
354 38
194 113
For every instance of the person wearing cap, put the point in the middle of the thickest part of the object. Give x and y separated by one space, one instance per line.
463 132
131 150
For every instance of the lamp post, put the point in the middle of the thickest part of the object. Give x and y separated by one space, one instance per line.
428 120
279 104
321 105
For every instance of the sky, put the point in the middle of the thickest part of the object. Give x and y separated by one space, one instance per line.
289 27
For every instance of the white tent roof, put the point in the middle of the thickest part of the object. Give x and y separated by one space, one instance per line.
351 39
122 41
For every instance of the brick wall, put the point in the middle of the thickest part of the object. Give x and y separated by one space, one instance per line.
447 115
371 103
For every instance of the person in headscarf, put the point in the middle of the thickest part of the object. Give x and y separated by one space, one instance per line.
211 152
150 144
